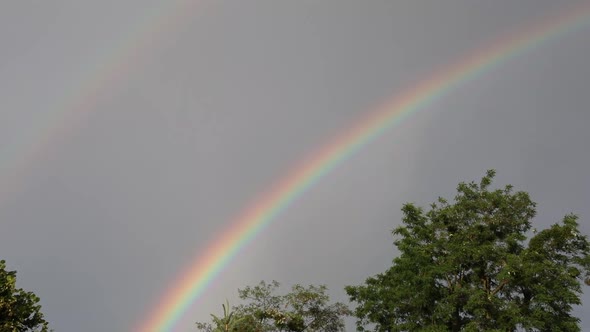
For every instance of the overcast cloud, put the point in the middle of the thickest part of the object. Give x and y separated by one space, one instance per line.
222 101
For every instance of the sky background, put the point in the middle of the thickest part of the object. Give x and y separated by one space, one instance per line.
132 132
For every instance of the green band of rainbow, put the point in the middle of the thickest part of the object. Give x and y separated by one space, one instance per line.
195 280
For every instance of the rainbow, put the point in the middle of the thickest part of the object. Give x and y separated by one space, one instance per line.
84 90
243 229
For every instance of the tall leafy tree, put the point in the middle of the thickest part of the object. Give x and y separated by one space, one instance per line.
19 310
304 309
470 266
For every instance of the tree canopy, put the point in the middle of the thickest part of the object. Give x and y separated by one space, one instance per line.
477 264
304 309
19 310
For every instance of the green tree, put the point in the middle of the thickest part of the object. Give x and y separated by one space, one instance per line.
469 266
230 322
19 310
304 309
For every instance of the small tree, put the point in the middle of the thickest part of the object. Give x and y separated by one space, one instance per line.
229 322
304 309
19 310
468 266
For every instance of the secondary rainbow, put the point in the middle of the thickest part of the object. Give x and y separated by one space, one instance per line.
248 224
86 87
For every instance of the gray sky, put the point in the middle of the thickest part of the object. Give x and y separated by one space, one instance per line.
197 114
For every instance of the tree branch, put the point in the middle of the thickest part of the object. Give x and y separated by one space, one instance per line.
500 286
